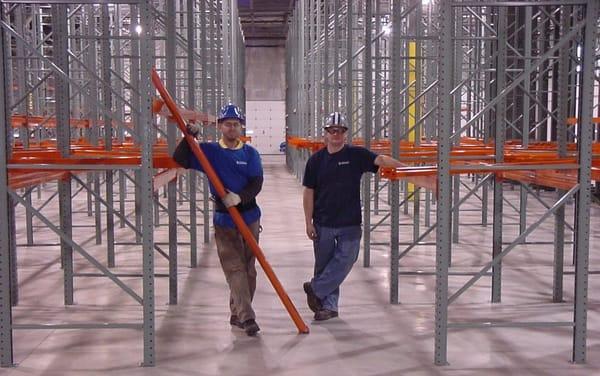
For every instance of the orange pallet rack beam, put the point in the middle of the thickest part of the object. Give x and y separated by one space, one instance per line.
473 156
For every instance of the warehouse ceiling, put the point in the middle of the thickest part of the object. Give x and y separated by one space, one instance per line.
265 22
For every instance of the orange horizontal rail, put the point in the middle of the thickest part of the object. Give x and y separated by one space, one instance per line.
469 151
573 120
81 152
17 180
466 143
28 175
161 161
165 176
159 108
474 157
426 176
93 157
19 120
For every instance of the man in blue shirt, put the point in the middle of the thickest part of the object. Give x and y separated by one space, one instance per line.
239 167
332 212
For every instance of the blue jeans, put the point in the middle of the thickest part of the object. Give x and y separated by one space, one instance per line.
336 250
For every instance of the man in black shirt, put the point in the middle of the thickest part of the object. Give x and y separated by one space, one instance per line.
332 212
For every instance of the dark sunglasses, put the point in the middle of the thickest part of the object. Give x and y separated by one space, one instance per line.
336 130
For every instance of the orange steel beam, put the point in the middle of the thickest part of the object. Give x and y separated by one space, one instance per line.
17 180
30 177
466 145
19 120
158 107
237 218
471 152
93 156
562 178
573 120
162 178
49 122
477 157
465 142
557 179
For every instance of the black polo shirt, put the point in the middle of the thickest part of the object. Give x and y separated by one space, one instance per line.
335 179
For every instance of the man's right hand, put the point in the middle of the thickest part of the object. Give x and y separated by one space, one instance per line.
193 129
311 231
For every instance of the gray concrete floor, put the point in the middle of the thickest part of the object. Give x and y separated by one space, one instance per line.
371 337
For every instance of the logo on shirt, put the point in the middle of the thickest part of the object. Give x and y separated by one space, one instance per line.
241 162
342 163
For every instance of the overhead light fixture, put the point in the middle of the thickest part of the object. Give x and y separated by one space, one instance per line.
387 29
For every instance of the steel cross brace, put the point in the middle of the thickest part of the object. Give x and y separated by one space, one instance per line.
78 248
521 77
562 201
118 213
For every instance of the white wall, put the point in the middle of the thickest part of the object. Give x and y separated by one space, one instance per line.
265 123
265 97
265 74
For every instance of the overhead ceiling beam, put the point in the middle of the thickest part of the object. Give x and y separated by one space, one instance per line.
266 20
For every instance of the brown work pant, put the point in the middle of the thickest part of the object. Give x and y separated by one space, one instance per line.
237 261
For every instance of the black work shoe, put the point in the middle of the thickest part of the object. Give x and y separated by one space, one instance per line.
325 314
251 327
234 321
314 303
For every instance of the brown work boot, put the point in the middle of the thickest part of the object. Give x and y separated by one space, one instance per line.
314 303
235 321
325 314
251 327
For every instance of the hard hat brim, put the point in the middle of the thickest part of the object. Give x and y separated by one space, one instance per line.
336 126
242 121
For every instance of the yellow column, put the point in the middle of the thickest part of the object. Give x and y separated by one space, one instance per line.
412 93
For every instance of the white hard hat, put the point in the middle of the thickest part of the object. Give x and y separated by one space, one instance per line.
335 119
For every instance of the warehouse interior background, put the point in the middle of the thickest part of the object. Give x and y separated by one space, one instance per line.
479 257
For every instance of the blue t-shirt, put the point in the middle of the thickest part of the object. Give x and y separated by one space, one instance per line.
235 167
335 179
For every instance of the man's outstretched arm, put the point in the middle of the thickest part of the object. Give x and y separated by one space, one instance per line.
385 161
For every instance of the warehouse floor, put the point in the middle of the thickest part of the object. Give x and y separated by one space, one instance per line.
371 337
